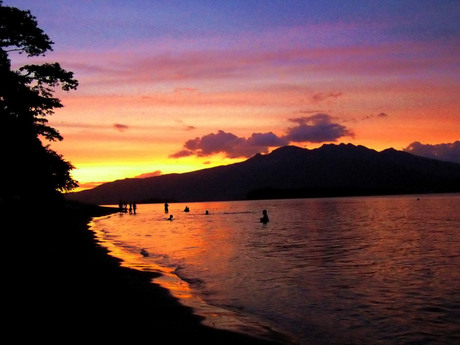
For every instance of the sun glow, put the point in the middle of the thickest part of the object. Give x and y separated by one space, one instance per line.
90 175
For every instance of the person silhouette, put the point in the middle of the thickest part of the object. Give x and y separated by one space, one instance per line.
170 217
264 218
166 207
186 209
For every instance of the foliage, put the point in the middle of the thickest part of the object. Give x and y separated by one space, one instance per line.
30 169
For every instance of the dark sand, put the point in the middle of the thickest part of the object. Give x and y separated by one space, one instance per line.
61 286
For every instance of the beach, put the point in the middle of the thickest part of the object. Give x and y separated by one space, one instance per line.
63 286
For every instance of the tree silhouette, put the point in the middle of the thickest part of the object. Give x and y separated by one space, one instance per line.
30 170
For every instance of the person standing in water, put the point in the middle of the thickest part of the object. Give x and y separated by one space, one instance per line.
166 207
264 218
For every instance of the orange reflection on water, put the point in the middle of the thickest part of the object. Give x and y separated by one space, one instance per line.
187 237
366 268
136 260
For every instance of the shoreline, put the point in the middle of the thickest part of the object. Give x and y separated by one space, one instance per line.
167 278
62 281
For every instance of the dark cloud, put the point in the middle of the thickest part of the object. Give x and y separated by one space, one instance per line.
313 111
266 140
449 152
120 127
186 127
322 96
229 144
215 143
316 129
381 115
181 154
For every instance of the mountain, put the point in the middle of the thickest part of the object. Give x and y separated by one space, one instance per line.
287 172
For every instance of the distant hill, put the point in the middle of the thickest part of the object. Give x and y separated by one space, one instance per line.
290 172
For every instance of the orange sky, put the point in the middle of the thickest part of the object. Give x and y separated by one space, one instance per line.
156 76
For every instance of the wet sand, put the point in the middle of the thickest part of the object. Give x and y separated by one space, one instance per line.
62 286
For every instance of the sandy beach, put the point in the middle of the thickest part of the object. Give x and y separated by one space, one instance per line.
63 286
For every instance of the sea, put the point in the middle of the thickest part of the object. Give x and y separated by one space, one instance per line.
352 270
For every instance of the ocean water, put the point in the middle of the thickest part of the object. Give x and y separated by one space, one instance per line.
364 270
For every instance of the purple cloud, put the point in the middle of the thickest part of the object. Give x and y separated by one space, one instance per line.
229 144
120 127
181 154
449 152
215 143
266 140
322 96
316 129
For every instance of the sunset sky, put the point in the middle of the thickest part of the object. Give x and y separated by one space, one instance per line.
175 86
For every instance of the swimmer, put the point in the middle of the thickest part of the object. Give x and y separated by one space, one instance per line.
264 218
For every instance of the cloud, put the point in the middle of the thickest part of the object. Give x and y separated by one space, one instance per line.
312 111
181 154
229 144
186 127
182 90
266 139
322 96
120 127
150 174
214 143
381 115
119 68
316 129
92 126
449 152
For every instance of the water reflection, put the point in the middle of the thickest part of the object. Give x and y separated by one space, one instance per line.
357 270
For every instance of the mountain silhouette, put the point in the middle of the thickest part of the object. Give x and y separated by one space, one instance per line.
290 172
